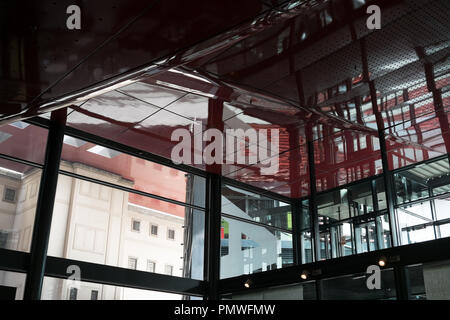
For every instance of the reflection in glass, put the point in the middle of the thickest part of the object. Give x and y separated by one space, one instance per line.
416 222
354 287
62 289
93 223
360 198
333 206
307 247
23 141
302 291
247 248
429 281
136 173
256 207
19 190
13 284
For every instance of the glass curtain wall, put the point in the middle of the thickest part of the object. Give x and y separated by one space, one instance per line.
422 201
256 233
353 220
22 153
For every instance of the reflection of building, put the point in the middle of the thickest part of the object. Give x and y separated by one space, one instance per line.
19 195
94 223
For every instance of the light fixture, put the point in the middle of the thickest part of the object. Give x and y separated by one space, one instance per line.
248 283
304 275
382 262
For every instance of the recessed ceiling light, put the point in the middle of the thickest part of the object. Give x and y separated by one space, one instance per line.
19 124
104 152
74 142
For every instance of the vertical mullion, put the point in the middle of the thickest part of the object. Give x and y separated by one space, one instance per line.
44 208
315 234
212 236
297 211
313 204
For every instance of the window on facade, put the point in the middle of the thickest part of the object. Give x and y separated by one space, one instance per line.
73 294
154 230
136 225
171 234
9 195
94 295
132 263
151 266
168 269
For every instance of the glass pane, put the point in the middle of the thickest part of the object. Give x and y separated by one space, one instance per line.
247 248
383 232
62 289
429 281
345 157
12 285
24 141
305 219
93 223
341 241
19 190
256 207
333 206
417 234
325 246
409 190
303 291
444 230
307 247
381 195
442 207
416 183
109 165
355 287
360 197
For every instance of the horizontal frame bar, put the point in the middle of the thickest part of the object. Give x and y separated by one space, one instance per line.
116 276
119 187
12 260
424 252
131 151
261 224
257 190
22 161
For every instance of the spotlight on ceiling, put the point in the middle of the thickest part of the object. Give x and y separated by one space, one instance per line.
382 262
304 275
248 283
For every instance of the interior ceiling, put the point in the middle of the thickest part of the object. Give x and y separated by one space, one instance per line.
138 70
